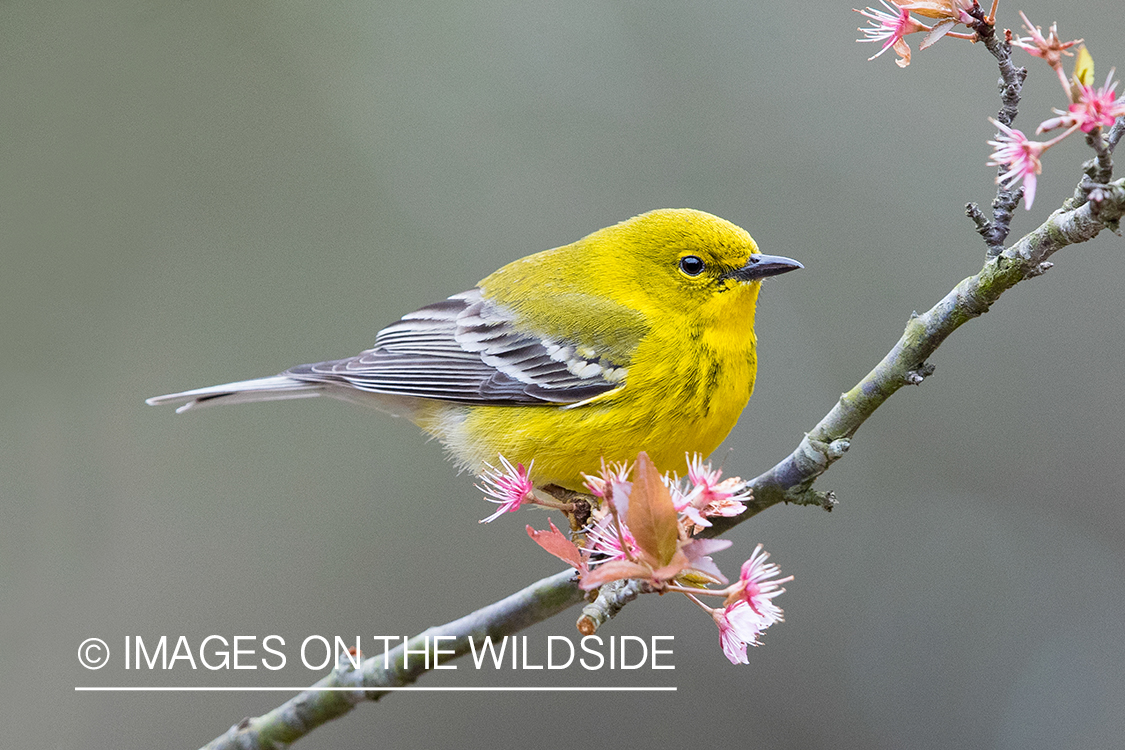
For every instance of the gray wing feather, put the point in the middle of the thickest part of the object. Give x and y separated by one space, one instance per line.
466 349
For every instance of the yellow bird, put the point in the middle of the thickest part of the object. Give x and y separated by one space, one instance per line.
639 336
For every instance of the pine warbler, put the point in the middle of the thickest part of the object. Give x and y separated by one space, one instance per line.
637 337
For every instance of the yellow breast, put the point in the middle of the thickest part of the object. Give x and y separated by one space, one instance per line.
683 392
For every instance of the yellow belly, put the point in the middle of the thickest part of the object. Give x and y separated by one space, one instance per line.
685 405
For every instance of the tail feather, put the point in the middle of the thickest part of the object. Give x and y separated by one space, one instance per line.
276 388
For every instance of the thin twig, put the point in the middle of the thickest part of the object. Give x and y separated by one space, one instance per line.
995 232
1103 158
1115 133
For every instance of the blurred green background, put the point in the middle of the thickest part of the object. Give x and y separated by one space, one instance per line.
197 192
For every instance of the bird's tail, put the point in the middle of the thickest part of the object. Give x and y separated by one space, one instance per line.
277 388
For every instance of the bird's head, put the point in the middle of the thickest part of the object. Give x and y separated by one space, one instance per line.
680 259
671 264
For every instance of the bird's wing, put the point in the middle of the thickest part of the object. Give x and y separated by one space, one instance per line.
469 350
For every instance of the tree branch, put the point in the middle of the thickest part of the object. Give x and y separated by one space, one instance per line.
325 701
995 232
791 480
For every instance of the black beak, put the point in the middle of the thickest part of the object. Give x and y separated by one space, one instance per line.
761 266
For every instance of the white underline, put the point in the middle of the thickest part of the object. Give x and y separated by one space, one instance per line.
406 688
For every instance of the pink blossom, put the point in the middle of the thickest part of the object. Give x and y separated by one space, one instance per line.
1095 108
714 497
708 495
890 28
739 627
510 487
610 475
758 585
602 540
1048 47
749 608
1020 156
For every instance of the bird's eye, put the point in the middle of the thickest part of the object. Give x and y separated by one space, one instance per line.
692 265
